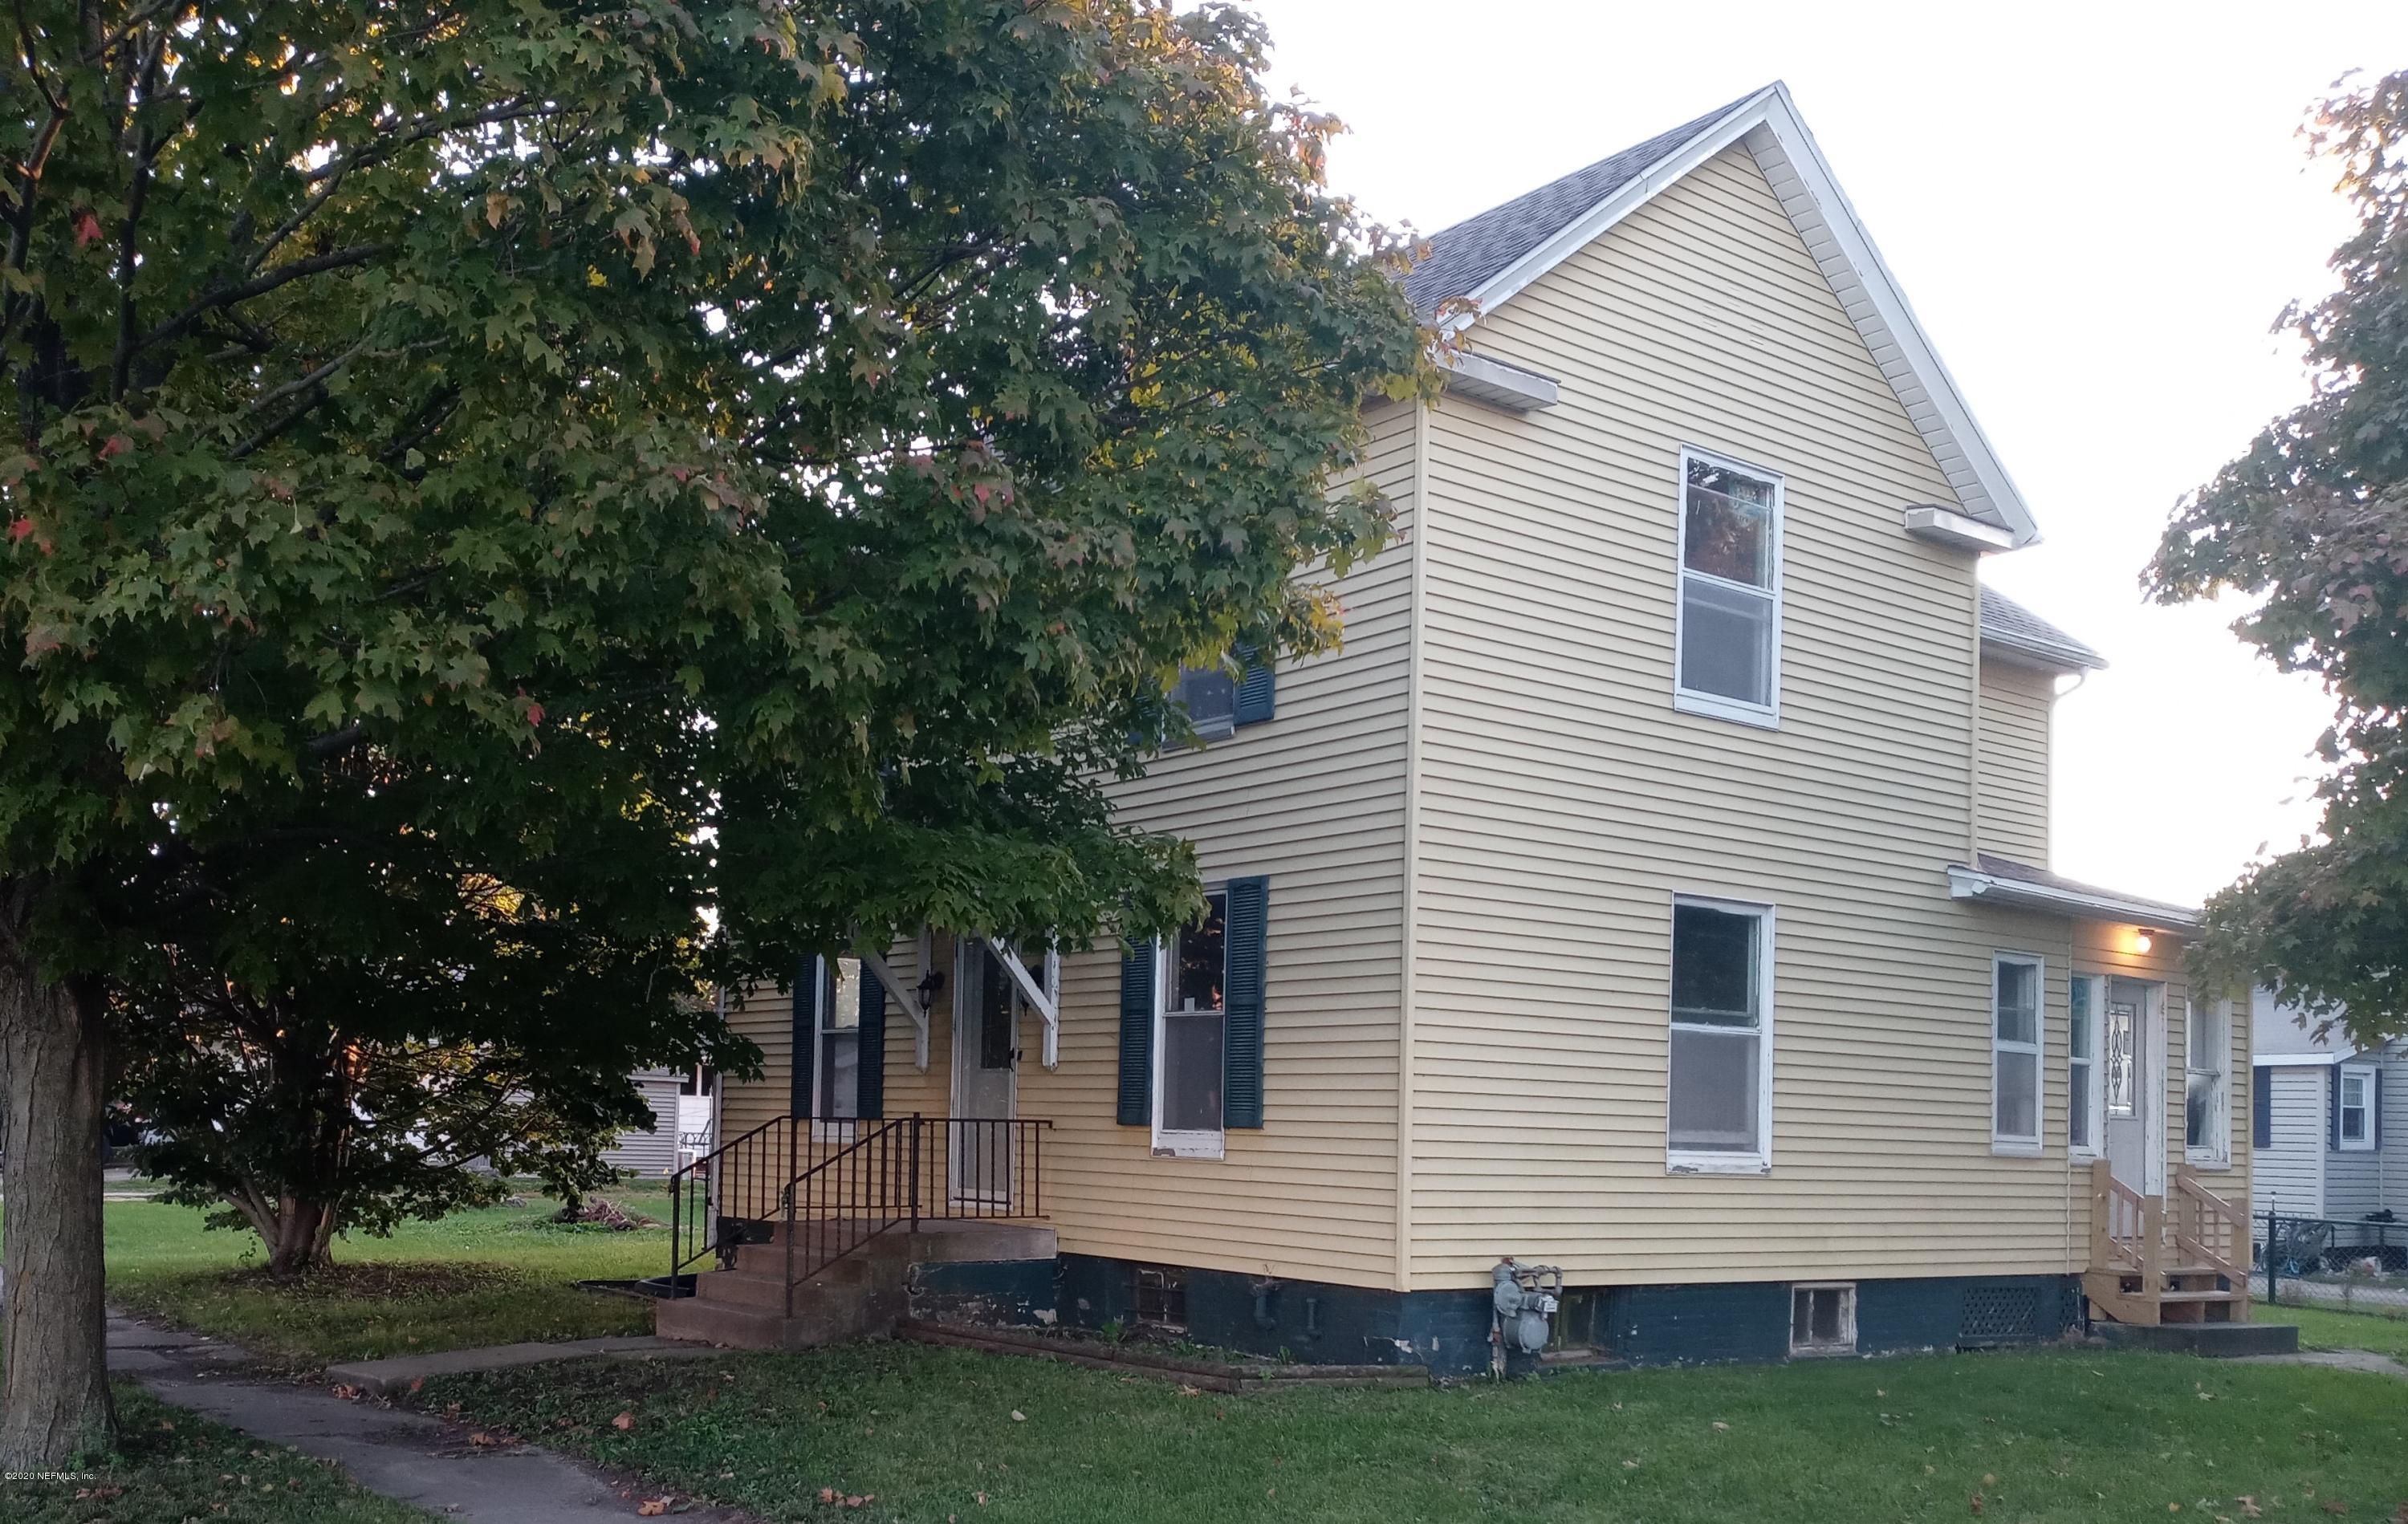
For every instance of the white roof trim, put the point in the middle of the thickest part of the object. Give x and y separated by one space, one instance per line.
1499 385
1769 125
1947 526
2299 1060
1969 884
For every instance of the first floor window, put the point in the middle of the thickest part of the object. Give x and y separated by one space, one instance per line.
1194 1027
2081 1090
2354 1118
2207 1126
836 1032
700 1081
2014 1052
1720 1093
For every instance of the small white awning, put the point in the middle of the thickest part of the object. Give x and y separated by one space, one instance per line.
2000 881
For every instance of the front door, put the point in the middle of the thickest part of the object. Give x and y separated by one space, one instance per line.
2127 1042
986 1076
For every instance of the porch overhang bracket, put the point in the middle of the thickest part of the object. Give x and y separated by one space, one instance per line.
1045 999
908 996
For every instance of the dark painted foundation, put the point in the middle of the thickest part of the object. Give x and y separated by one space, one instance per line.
1316 1322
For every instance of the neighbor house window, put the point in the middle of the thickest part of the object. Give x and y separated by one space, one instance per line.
2207 1107
2015 1053
2084 1095
836 1092
1822 1319
1720 1105
2354 1118
1191 1038
1728 662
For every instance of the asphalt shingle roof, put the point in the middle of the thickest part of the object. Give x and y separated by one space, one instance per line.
1472 253
2007 867
2009 623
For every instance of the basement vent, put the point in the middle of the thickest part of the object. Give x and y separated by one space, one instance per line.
1999 1314
1158 1297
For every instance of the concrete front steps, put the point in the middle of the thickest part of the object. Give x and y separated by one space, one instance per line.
860 1296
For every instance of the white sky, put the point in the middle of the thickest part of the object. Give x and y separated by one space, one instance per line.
2096 210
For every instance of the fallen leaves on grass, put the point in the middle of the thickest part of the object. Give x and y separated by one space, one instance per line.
651 1507
624 1422
1974 1503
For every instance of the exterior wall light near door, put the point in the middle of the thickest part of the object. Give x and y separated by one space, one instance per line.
2144 939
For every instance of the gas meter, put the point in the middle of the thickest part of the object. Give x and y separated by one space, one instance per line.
1525 1297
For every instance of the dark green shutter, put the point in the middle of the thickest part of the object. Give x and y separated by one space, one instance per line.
1137 1036
2262 1107
1241 1094
2374 1110
2333 1108
872 1084
1258 688
806 1037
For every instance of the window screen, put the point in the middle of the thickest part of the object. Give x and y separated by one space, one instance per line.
1194 1023
1717 1037
1729 561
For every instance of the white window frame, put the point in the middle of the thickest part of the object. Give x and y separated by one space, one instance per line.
2216 1154
2095 1059
1678 1161
1719 705
2371 1077
824 990
2017 1145
1188 1143
1846 1343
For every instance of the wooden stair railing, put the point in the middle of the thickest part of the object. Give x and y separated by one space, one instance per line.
2171 1261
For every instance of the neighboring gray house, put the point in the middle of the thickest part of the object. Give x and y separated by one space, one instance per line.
2316 1116
652 1155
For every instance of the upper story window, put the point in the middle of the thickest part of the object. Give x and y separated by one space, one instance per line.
1210 697
1728 661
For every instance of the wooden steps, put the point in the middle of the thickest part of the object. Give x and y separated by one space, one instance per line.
2154 1262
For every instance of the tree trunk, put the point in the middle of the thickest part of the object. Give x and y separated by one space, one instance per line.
54 1403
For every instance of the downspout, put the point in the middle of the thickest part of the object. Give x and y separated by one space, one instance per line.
1416 614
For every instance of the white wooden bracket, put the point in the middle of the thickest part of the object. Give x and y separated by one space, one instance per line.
1044 997
914 1002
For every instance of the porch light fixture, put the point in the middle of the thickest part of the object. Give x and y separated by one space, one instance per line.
2144 939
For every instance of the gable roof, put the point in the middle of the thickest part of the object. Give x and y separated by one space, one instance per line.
2016 632
1492 257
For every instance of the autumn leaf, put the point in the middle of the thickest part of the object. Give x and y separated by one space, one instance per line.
651 1507
87 228
2249 1508
624 1422
1974 1503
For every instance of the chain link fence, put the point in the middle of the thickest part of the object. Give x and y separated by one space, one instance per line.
2343 1263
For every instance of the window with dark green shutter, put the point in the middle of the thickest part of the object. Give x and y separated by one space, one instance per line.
869 1083
1249 916
1137 1036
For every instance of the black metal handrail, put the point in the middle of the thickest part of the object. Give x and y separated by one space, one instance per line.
826 1196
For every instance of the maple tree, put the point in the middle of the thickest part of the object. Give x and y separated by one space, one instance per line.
2312 522
611 493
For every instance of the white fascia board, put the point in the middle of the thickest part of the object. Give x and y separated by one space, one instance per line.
2301 1061
1947 526
1967 884
1769 124
1509 387
1999 647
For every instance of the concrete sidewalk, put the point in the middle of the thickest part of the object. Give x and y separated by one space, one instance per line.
397 1376
409 1457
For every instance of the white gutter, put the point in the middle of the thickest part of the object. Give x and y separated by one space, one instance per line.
1968 884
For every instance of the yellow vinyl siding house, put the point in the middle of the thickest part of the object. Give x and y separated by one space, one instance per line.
1655 886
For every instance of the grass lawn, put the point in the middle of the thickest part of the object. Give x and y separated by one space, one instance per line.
177 1465
2322 1330
937 1434
491 1276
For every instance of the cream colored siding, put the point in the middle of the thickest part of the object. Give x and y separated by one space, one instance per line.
2013 788
1564 802
1314 798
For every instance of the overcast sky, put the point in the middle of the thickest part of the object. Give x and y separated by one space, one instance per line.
2096 210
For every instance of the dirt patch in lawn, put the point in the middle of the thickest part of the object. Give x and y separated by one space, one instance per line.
380 1281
